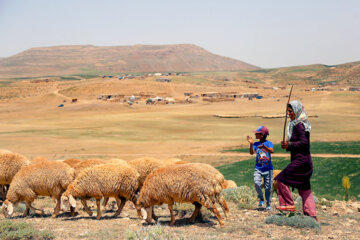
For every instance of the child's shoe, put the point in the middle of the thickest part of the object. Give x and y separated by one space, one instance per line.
268 208
261 203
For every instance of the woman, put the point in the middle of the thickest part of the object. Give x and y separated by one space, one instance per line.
297 174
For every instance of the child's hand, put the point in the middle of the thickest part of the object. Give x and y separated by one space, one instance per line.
250 139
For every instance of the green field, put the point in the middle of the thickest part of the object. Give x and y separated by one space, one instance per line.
326 180
352 147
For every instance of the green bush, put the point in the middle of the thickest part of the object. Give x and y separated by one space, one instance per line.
298 221
15 231
244 196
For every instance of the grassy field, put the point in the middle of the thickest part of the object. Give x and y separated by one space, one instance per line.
325 182
351 147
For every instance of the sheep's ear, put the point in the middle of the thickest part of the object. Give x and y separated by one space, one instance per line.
72 201
10 208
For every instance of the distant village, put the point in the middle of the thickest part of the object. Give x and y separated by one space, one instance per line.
191 97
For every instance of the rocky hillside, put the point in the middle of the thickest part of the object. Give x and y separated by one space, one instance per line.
60 60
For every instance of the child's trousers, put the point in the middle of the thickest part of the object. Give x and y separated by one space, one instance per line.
268 179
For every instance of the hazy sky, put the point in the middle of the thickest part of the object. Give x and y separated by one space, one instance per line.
266 33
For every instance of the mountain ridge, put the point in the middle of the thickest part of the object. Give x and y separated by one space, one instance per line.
71 59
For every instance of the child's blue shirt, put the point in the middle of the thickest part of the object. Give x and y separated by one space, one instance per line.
263 157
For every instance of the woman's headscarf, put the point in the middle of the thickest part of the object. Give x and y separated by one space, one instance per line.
301 116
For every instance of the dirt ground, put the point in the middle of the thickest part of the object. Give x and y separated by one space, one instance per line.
31 123
340 221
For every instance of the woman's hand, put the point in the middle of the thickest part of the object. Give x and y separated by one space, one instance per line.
250 139
284 145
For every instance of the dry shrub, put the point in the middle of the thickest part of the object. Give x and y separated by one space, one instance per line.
244 196
13 231
156 232
298 221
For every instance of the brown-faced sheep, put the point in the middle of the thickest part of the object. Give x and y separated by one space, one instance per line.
180 183
10 164
105 180
46 179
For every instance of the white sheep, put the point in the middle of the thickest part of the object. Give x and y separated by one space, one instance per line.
105 180
10 164
49 178
180 183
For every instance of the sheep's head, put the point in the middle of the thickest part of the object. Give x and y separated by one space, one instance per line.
8 209
147 213
68 201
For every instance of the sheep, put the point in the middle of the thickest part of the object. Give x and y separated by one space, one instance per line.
10 164
38 159
83 164
175 161
113 161
229 184
49 178
72 161
105 180
148 164
211 171
79 167
180 183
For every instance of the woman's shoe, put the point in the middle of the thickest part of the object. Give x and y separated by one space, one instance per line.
290 208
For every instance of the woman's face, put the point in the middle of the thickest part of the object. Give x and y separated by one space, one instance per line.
291 113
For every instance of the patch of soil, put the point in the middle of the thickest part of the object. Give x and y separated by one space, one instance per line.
341 221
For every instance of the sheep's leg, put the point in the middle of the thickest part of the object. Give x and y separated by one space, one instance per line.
172 221
105 202
153 214
28 204
224 207
87 209
138 208
149 213
27 211
196 212
120 204
72 211
57 207
98 209
218 216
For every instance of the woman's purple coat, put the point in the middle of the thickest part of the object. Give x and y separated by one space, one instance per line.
297 174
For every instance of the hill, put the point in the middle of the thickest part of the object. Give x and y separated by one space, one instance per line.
346 74
60 60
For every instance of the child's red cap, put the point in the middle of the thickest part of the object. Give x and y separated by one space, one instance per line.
263 130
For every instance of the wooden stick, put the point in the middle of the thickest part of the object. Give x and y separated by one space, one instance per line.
286 112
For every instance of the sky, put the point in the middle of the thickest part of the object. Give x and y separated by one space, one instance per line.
265 33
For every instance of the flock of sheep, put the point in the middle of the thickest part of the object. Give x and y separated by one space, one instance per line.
145 182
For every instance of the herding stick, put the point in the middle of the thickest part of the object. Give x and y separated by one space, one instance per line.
286 112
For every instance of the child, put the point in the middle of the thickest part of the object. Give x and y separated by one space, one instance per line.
263 166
